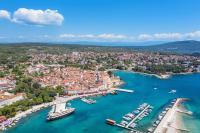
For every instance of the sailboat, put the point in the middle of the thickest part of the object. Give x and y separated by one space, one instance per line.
59 110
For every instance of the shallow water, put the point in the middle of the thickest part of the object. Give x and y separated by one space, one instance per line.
91 118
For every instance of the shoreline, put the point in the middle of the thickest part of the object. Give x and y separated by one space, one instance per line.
172 121
14 120
162 76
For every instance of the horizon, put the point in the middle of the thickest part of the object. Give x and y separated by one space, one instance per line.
98 43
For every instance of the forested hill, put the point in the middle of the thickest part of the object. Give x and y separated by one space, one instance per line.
187 47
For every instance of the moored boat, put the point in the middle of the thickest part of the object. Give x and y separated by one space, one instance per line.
110 122
59 111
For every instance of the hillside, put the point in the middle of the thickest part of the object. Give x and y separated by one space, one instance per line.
187 47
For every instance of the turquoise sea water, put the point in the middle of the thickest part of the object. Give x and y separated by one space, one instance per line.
91 118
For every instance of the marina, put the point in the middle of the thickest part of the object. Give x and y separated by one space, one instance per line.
129 121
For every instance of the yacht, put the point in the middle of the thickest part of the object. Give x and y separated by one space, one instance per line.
59 110
172 91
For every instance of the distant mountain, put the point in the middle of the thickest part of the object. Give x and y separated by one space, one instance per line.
186 47
182 47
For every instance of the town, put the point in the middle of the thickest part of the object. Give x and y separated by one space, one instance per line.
32 76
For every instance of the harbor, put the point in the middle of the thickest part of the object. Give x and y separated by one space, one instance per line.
86 117
129 121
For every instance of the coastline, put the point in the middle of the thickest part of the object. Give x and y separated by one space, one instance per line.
172 121
177 118
162 76
12 121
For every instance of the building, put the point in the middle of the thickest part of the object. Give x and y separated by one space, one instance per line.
9 98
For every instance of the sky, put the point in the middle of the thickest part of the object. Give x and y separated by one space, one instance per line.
99 20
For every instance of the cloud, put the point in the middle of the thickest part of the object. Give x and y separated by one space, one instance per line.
111 36
93 36
168 36
173 36
195 34
4 14
34 17
144 37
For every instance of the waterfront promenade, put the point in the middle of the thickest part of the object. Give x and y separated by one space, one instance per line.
69 98
58 100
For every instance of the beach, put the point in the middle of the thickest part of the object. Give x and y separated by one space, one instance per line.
171 123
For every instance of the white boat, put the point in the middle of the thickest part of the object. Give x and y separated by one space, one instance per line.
89 101
126 118
59 110
172 91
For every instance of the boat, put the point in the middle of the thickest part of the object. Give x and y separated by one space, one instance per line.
110 122
59 111
133 125
150 129
123 123
172 91
126 118
89 101
155 88
113 93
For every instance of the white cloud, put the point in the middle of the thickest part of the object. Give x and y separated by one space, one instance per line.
67 36
111 36
4 14
141 37
144 37
93 37
195 34
38 17
34 17
168 36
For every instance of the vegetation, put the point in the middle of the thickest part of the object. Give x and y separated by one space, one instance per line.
160 69
35 94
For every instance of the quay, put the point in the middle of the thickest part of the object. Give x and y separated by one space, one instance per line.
168 123
125 90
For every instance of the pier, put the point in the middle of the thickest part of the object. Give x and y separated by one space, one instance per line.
138 116
128 120
130 129
125 90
